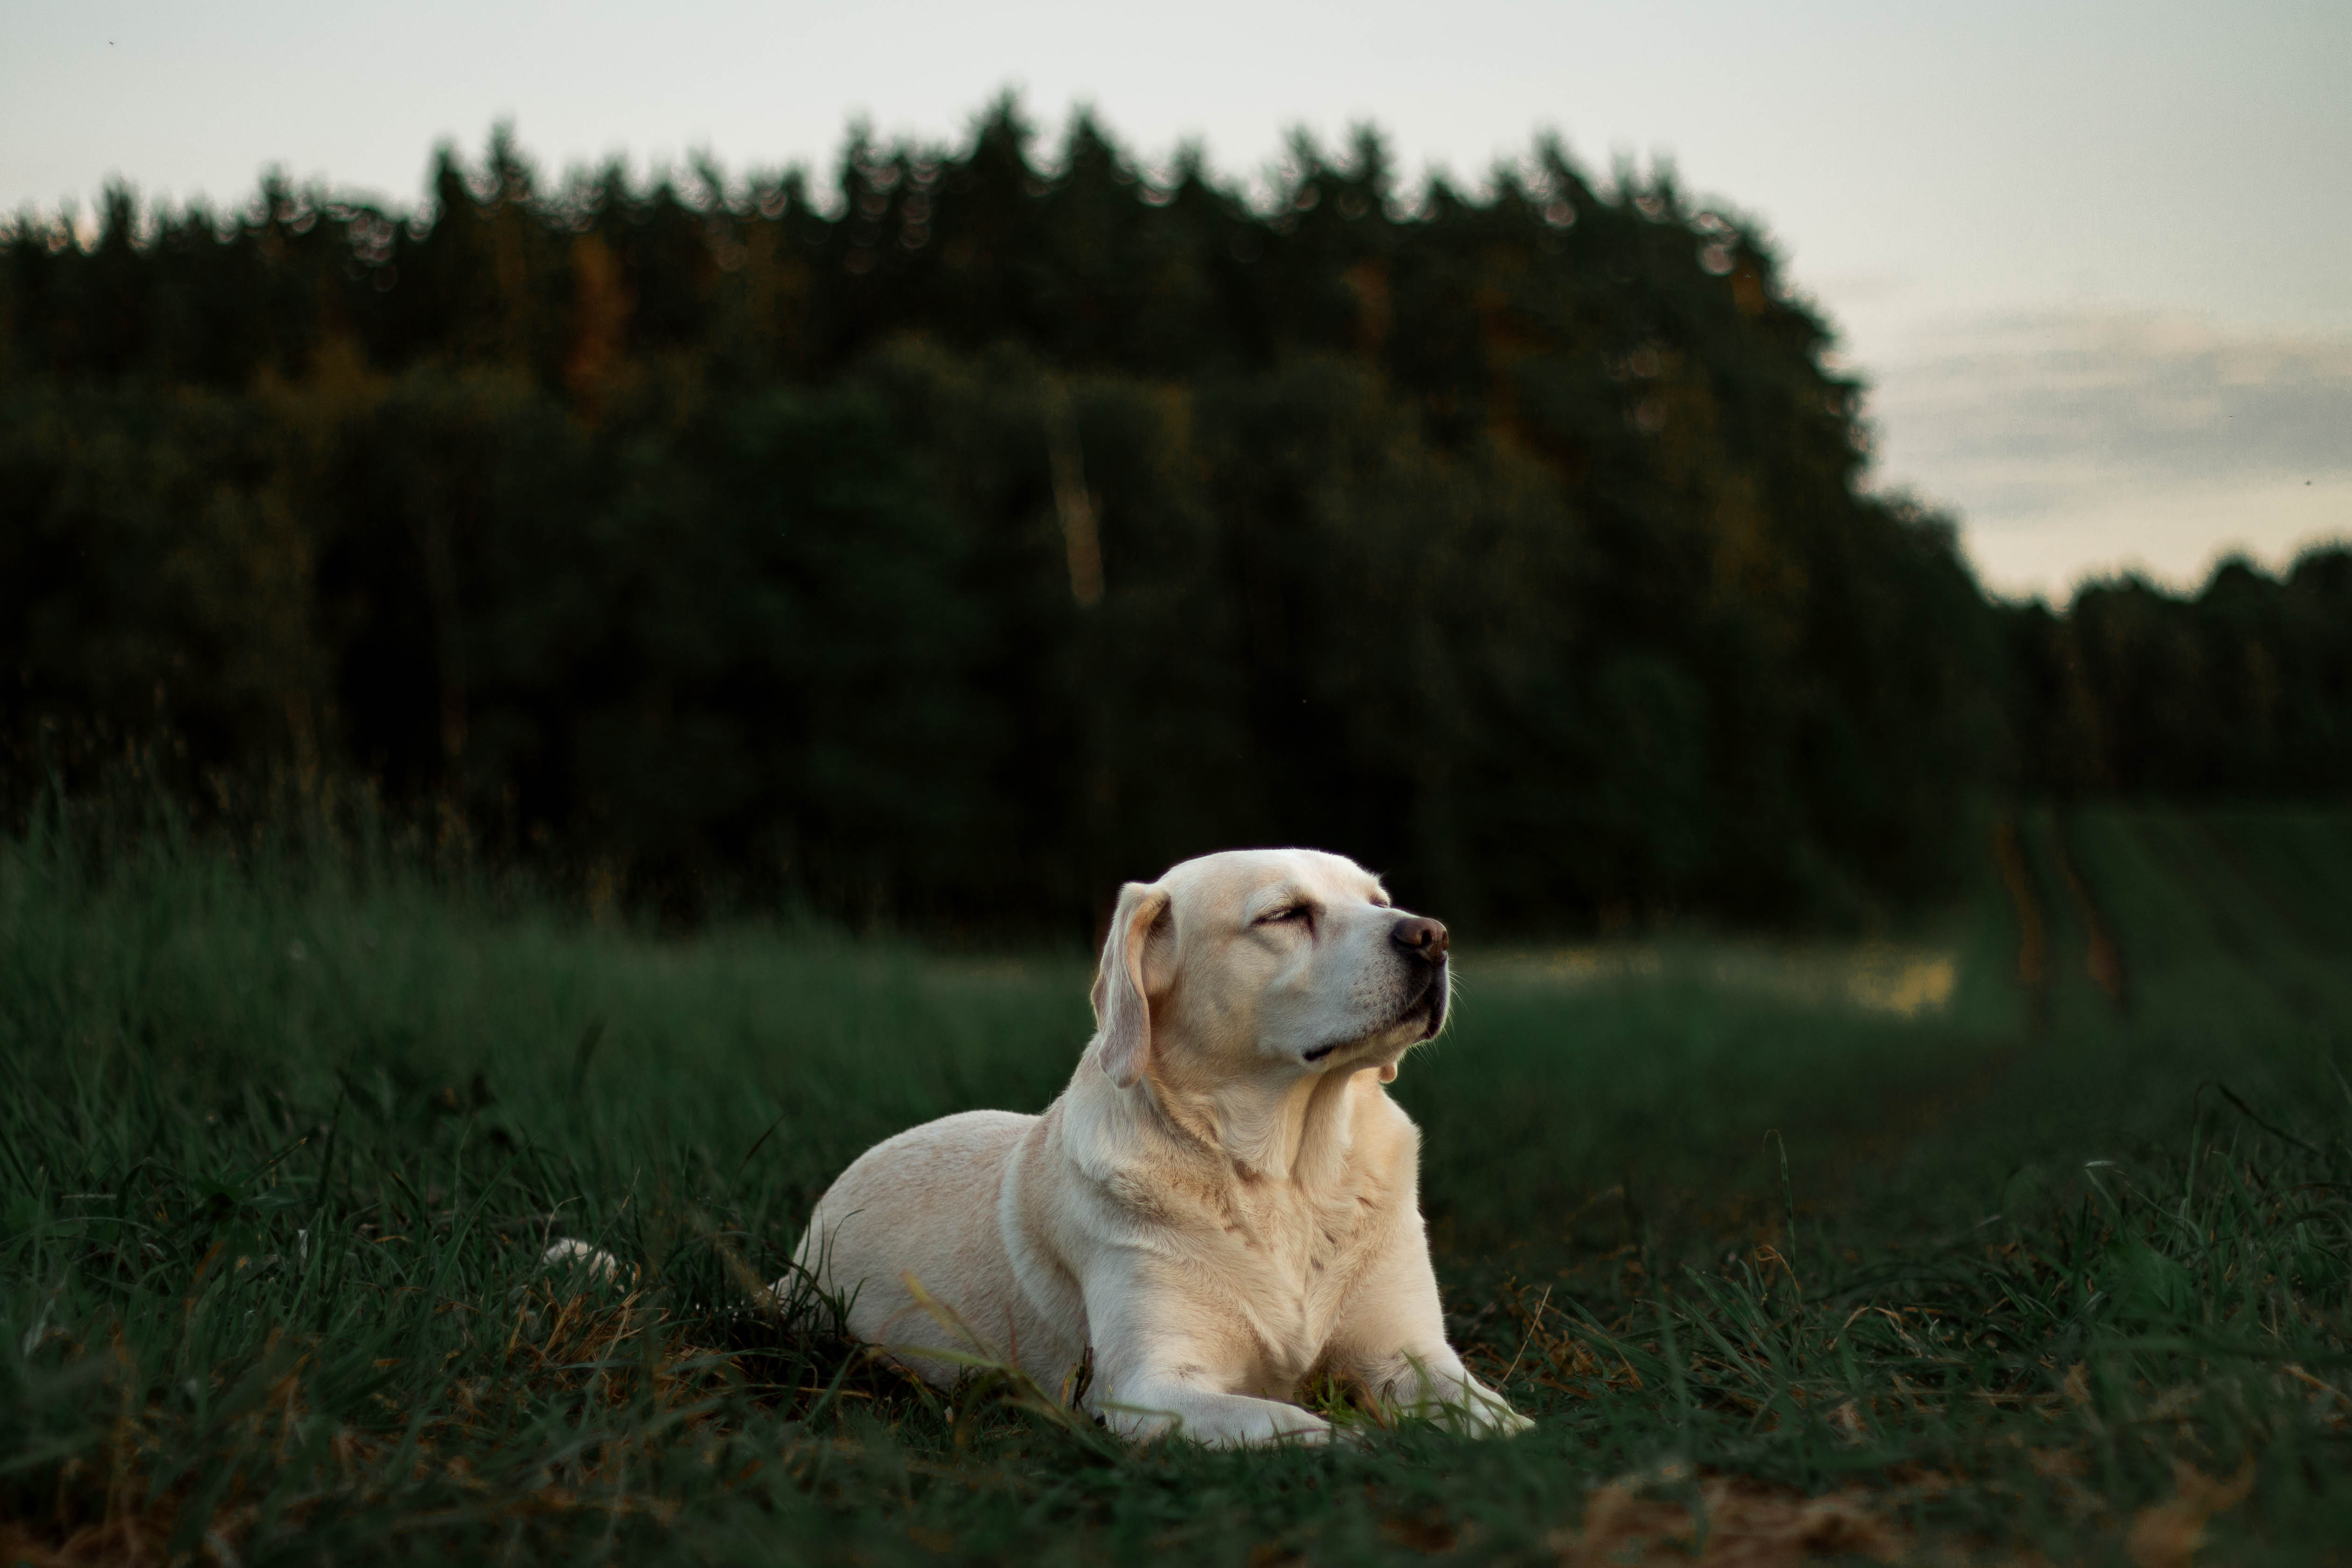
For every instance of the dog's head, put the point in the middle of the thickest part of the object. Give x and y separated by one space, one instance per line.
1280 962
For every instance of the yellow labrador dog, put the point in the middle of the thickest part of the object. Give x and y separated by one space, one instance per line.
1221 1206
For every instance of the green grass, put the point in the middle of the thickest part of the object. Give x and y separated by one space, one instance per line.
280 1141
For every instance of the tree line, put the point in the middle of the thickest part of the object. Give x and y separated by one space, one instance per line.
996 527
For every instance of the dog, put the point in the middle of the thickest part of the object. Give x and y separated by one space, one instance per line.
1219 1211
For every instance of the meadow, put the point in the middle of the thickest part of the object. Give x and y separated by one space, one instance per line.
2027 1236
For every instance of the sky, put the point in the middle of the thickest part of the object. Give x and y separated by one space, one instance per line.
2093 259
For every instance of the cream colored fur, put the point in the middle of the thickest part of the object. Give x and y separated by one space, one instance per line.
1221 1206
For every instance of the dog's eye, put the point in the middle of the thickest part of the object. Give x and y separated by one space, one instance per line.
1288 911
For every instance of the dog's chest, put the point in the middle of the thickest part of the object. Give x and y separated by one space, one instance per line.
1295 1259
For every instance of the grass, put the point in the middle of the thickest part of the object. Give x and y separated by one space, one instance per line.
2056 1267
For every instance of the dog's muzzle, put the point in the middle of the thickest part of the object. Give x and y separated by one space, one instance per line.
1422 943
1421 950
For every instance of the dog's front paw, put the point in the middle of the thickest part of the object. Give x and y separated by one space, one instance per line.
1291 1424
1486 1415
1478 1411
1216 1421
1270 1425
1466 1407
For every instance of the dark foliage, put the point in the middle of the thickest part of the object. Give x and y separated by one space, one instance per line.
2245 690
993 532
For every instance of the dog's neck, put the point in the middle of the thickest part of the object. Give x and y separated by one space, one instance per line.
1276 1126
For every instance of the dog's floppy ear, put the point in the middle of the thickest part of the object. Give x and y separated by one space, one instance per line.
1122 995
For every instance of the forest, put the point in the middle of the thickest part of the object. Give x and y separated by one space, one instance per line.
939 546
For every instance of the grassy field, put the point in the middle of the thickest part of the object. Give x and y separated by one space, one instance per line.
2029 1237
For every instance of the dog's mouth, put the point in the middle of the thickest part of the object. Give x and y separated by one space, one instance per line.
1426 1009
1429 1008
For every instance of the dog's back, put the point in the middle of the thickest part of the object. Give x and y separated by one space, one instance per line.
925 1204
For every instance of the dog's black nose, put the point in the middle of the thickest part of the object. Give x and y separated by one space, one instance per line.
1419 933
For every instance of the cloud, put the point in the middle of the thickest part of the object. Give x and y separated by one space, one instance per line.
2081 443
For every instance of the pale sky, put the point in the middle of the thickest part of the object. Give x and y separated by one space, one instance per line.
2094 259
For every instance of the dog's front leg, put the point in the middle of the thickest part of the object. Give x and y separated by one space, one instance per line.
1391 1342
1167 1366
